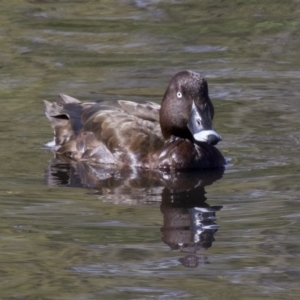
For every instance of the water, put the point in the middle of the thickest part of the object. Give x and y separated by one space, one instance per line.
69 232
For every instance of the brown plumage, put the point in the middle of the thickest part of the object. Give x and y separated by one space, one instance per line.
123 133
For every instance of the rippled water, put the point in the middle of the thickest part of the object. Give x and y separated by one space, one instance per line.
76 232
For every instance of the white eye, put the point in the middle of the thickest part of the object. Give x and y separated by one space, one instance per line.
179 95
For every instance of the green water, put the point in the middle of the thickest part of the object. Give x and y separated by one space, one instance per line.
67 236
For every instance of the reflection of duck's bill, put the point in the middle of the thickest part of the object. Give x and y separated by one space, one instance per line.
200 125
208 136
209 208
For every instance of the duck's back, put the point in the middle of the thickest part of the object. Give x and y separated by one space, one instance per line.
120 133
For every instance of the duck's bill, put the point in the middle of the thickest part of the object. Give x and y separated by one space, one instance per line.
208 136
199 124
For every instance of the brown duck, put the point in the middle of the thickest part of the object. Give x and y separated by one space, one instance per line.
176 135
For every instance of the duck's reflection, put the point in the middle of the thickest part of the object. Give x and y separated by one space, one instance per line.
188 221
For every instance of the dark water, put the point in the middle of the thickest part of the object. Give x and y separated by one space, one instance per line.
76 232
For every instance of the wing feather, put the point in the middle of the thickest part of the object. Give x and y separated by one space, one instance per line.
105 129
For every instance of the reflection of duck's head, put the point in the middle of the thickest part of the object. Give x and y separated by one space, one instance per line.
177 135
188 221
189 228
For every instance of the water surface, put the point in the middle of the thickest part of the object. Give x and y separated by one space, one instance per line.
69 232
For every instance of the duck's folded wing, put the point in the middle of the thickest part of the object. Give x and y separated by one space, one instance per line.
129 130
146 110
107 132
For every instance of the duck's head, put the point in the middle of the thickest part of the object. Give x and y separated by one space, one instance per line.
186 110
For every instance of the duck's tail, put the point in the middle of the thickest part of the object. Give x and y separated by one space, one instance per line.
65 118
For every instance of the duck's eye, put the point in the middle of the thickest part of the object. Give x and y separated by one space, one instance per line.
179 95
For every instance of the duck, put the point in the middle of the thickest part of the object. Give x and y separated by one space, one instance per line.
176 135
